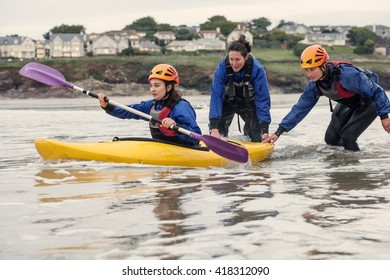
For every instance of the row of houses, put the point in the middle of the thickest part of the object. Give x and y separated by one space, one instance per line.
330 35
114 42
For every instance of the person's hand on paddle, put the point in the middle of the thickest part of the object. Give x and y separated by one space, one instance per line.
101 98
271 139
168 123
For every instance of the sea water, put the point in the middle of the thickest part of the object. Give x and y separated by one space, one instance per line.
306 201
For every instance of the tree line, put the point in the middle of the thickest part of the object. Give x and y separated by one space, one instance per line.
362 38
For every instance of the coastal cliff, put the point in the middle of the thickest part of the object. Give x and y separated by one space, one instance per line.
130 78
121 79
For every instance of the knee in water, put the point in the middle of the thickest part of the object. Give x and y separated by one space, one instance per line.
349 143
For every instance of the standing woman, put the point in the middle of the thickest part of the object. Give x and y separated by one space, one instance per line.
240 87
166 104
360 99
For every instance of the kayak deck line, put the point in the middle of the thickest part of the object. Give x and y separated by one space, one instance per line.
200 148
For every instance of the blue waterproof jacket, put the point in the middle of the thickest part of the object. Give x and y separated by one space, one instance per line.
352 79
182 113
259 82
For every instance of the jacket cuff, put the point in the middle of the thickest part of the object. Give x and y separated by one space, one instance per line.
264 128
279 131
213 123
385 116
109 108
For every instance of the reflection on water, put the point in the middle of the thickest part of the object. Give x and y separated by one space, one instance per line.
175 222
49 177
170 214
349 190
308 201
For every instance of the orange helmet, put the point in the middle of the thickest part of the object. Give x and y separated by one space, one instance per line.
164 72
313 56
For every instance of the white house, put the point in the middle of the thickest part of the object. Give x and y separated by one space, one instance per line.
211 34
294 28
211 44
66 45
182 46
109 45
133 36
17 47
240 30
147 46
165 37
329 39
201 44
40 49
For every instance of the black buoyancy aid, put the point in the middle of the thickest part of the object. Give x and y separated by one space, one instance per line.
243 89
156 129
340 94
336 92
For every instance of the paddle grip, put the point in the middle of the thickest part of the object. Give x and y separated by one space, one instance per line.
94 95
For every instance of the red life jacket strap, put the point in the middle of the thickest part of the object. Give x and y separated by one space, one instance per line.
341 91
163 114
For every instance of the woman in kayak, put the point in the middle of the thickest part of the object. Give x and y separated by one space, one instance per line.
240 87
167 105
360 99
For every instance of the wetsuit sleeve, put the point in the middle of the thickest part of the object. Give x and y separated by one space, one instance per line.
299 111
217 89
357 82
120 113
184 115
262 96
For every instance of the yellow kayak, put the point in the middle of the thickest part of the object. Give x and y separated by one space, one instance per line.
144 151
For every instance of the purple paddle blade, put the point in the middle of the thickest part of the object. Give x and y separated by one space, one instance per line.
44 74
223 148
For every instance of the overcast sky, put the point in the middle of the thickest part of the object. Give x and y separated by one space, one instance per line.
33 18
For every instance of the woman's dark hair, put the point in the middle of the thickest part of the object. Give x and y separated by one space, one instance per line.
173 96
240 45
